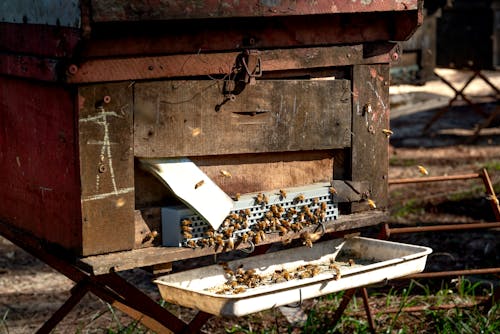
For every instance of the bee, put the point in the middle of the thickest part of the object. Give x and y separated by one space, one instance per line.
185 228
351 262
292 211
259 199
265 199
210 233
269 215
245 223
332 191
372 204
301 217
248 212
315 271
322 215
308 238
315 200
186 222
226 222
199 184
228 232
234 216
286 241
192 244
387 132
299 198
236 197
229 244
282 193
219 242
286 223
225 173
423 170
262 235
297 227
187 235
336 269
237 226
257 238
203 243
282 230
244 237
239 289
211 242
323 206
250 272
304 274
150 236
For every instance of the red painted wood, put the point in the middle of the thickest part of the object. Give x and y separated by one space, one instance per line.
37 39
134 10
39 176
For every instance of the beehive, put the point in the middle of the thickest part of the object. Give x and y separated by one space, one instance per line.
251 87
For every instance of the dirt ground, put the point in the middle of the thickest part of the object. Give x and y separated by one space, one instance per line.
30 291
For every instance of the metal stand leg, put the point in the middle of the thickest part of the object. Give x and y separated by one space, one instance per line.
110 287
77 293
460 93
369 317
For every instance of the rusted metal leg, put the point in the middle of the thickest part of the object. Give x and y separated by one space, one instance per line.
136 299
198 321
77 293
343 305
485 79
369 317
491 194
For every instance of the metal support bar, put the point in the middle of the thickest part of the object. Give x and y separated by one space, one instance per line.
369 317
435 178
77 293
343 305
452 227
465 272
459 93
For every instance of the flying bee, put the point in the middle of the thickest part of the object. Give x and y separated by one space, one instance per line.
199 184
351 262
387 132
187 235
332 191
186 222
423 170
225 173
371 203
299 198
191 244
282 193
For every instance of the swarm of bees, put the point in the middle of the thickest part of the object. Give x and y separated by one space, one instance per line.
280 218
240 280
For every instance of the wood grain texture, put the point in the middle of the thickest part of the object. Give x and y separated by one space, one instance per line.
178 118
370 157
106 168
39 181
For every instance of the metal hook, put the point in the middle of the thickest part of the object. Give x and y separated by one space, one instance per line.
250 249
299 303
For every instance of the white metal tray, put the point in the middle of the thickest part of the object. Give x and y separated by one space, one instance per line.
371 260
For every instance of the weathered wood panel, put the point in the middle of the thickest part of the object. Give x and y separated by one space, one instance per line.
39 183
370 157
106 167
134 10
179 118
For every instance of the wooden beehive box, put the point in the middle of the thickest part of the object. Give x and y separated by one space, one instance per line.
86 92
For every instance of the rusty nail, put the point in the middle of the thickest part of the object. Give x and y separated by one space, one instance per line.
107 99
150 67
72 69
102 168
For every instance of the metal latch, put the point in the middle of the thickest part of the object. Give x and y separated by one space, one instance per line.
252 65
